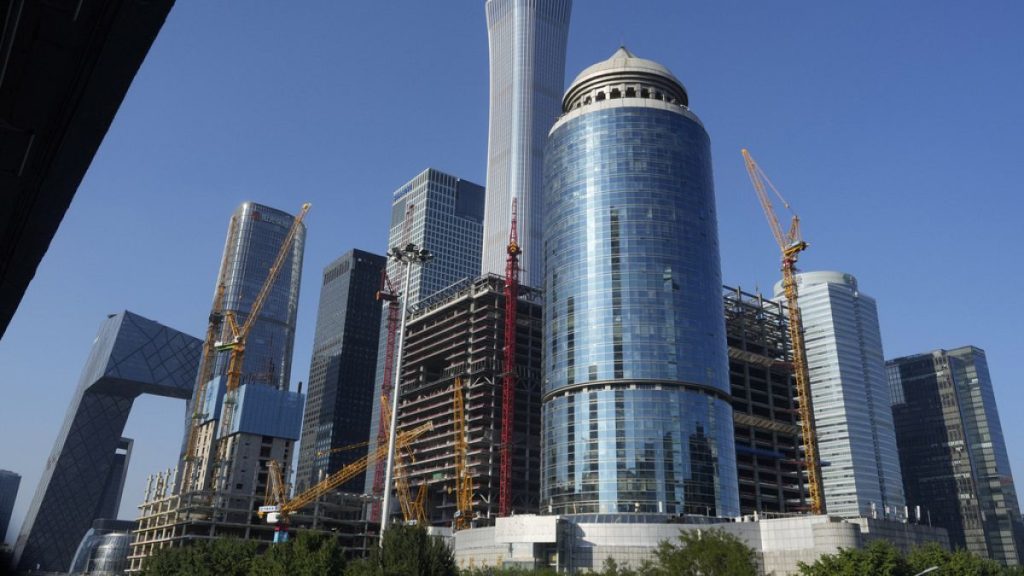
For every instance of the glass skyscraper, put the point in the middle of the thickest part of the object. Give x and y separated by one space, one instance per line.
952 450
637 415
446 217
254 239
341 372
852 409
84 474
527 41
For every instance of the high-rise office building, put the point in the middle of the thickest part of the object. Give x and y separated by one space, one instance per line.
267 416
852 409
768 438
443 214
9 482
459 333
254 238
340 396
527 40
637 415
952 451
217 493
130 356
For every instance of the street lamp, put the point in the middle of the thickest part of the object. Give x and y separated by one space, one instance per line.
408 255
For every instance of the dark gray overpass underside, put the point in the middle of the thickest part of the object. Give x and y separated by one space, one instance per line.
65 67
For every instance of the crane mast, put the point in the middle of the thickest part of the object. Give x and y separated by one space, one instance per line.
508 388
463 481
193 457
791 245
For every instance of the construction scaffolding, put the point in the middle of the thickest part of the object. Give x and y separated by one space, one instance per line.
765 414
167 519
459 332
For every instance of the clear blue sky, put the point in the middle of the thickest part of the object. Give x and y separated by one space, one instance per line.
894 128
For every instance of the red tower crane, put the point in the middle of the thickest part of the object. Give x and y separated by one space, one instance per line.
389 294
508 388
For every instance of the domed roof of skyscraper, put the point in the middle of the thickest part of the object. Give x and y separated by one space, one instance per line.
624 67
625 61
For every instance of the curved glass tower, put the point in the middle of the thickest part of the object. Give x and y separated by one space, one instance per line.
254 238
636 412
527 42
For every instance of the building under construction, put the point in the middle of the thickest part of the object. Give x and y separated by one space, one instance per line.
768 439
459 333
167 519
243 414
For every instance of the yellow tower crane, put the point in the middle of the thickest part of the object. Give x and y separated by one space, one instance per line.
414 510
239 334
343 448
193 449
279 508
792 244
463 481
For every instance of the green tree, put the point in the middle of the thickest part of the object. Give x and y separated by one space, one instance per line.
706 553
963 563
511 571
231 557
407 551
879 558
924 557
309 554
883 559
362 567
612 568
223 557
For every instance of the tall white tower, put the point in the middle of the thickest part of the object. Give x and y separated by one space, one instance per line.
852 406
527 41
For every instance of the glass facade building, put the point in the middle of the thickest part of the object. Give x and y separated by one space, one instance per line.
104 549
636 414
340 397
446 215
255 235
130 356
111 502
9 482
952 450
527 42
852 409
